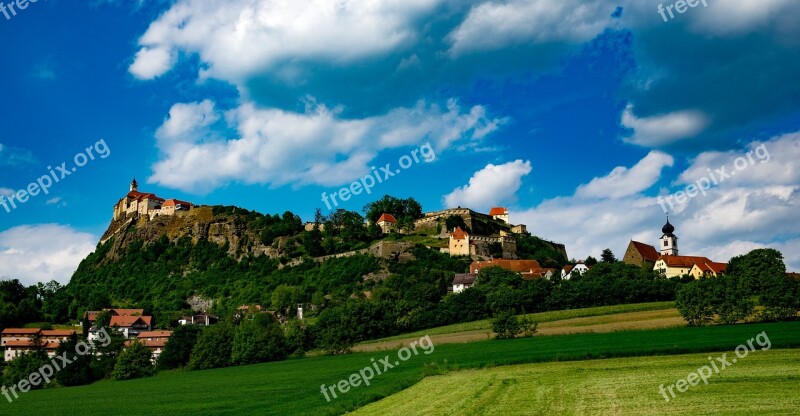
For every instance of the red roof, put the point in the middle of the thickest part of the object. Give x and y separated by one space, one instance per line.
127 312
21 331
498 211
58 333
684 261
155 334
173 202
141 196
128 321
459 234
387 218
647 251
519 266
711 267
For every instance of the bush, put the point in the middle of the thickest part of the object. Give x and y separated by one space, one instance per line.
213 347
693 303
178 350
506 325
258 340
23 366
79 372
134 361
780 296
725 297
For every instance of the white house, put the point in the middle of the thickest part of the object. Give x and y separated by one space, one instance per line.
567 271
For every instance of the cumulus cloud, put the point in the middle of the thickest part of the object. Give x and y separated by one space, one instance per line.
317 146
490 186
494 25
732 218
659 130
43 252
622 182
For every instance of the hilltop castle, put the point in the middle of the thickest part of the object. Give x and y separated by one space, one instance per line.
137 203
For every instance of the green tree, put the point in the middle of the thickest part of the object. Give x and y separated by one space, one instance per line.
506 325
178 349
608 256
757 266
694 303
284 298
77 373
731 300
298 338
23 366
453 221
134 361
258 340
213 347
780 296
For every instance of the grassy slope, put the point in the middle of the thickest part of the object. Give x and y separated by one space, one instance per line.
292 387
540 317
763 383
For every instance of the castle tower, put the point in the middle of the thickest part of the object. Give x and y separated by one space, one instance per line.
134 185
669 241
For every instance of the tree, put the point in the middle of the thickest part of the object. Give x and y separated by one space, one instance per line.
107 355
590 261
258 340
506 325
134 361
23 366
213 347
284 298
102 319
757 266
730 299
780 296
77 373
453 221
694 304
178 349
298 339
608 256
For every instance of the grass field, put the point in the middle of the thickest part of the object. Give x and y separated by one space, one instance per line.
764 383
293 387
599 319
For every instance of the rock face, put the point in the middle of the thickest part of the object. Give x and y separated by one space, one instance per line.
197 224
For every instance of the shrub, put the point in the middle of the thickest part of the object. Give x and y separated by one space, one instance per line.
506 325
134 361
213 347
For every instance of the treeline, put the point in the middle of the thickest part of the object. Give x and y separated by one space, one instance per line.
756 278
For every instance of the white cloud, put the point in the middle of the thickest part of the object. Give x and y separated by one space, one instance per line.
315 147
57 201
494 25
622 182
731 219
490 186
7 191
43 252
663 129
237 38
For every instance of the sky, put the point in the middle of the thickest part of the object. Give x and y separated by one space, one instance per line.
587 119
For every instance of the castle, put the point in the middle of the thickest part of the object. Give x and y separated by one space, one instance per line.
137 203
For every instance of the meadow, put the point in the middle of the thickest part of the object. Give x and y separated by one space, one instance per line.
293 387
763 383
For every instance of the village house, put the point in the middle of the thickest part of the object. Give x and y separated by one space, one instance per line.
387 223
202 319
464 281
91 316
130 326
710 269
18 341
569 269
677 266
155 341
528 269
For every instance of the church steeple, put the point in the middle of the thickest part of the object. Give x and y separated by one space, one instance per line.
134 185
669 241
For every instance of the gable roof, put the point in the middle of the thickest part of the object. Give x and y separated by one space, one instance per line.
465 278
58 332
498 211
568 268
155 334
21 331
647 251
684 261
139 196
518 266
174 202
128 321
459 234
387 218
711 267
126 312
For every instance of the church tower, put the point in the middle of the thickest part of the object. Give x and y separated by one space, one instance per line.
134 185
669 241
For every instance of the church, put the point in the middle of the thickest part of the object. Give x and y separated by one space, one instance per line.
666 259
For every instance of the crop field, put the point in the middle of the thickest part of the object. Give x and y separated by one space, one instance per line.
764 383
293 387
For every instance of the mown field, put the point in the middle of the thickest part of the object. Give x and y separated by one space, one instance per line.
293 387
764 383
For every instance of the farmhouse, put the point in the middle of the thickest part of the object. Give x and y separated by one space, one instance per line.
528 269
18 341
154 341
569 269
464 281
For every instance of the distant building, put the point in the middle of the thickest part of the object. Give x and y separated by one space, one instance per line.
154 341
459 242
669 241
676 266
464 281
710 269
528 269
569 269
500 214
387 223
202 319
18 341
640 255
146 204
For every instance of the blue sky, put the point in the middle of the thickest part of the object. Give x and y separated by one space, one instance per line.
576 115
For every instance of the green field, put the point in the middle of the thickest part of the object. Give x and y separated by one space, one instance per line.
540 317
293 387
764 383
